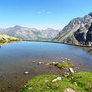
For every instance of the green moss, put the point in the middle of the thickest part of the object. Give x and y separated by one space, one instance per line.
64 65
44 83
61 65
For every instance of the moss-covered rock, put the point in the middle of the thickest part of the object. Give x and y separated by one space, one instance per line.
61 65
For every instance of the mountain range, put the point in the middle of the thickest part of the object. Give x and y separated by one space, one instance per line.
26 33
77 32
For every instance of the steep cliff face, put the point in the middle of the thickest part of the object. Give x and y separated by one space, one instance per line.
77 32
89 36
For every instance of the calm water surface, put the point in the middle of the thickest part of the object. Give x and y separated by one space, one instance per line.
16 58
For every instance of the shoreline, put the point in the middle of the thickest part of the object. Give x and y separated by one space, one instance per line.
58 42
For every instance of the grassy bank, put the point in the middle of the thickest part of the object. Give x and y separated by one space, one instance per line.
76 82
7 39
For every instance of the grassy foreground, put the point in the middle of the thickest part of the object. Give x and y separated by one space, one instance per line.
78 82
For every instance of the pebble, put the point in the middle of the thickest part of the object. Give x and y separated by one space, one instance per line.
33 61
40 63
71 70
26 73
29 88
75 83
58 78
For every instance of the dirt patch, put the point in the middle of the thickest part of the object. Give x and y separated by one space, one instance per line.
70 90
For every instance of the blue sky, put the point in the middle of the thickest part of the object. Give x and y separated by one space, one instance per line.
42 13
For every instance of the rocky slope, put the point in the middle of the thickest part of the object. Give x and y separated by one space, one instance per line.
77 32
25 33
5 38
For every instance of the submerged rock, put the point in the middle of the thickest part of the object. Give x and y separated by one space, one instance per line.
26 73
33 61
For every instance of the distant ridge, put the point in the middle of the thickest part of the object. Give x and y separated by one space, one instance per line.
26 33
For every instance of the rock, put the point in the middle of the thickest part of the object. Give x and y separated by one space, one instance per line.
68 59
66 75
58 78
39 62
33 61
26 73
70 90
29 88
75 83
71 70
65 58
52 63
46 80
77 32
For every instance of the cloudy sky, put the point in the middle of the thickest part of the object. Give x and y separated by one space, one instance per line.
42 13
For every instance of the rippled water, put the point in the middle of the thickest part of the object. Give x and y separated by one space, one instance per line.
16 58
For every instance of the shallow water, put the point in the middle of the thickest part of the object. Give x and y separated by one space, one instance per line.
16 58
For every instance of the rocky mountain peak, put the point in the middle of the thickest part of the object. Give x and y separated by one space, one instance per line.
90 14
78 31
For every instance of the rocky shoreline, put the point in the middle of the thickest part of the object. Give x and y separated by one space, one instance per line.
69 78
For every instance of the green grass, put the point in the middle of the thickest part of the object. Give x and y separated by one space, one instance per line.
64 65
61 65
44 83
83 79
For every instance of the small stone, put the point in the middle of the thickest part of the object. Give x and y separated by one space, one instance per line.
71 70
33 61
75 83
72 77
68 59
58 78
39 62
9 86
48 87
26 73
66 75
70 90
24 85
46 80
29 88
53 62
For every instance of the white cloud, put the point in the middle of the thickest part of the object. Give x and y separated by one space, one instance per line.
43 12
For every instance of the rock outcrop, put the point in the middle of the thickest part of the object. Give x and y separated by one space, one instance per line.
77 32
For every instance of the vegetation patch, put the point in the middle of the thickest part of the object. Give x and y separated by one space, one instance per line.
75 82
82 79
62 65
44 83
